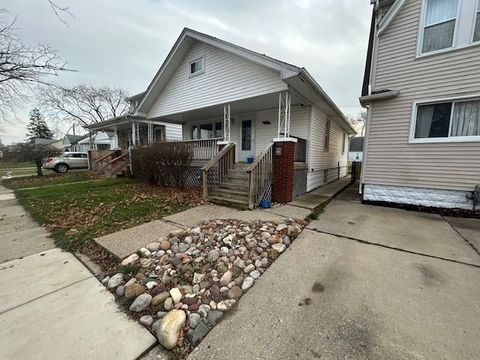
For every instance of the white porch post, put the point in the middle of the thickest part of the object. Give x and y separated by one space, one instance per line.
115 138
150 132
134 133
284 104
226 123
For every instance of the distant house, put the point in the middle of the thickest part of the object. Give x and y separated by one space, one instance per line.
100 141
56 143
422 92
71 143
355 153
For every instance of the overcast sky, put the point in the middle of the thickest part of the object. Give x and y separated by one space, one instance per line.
122 43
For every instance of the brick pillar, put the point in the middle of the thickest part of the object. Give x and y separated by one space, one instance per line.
283 170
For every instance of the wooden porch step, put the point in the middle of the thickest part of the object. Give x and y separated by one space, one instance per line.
240 186
239 204
231 194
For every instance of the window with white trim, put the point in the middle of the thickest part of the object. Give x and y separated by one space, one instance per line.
344 142
448 120
196 67
326 146
476 31
207 131
448 24
439 24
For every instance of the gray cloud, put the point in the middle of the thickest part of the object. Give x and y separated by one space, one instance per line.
123 43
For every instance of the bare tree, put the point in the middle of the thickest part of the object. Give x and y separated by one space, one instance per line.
60 12
34 152
84 104
22 67
359 122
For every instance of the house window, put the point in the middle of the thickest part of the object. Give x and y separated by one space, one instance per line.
476 32
452 120
327 136
207 131
196 67
344 142
439 24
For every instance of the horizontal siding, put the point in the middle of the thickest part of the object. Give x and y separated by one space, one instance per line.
263 134
227 77
173 132
320 159
391 159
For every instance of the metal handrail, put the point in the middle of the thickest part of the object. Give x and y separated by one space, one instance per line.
260 175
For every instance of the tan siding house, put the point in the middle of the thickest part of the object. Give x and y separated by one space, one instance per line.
423 98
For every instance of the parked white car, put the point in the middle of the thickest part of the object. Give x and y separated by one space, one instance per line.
67 161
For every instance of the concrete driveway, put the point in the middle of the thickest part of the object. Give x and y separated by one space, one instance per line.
391 285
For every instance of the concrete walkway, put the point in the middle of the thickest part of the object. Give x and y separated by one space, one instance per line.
52 307
391 284
126 242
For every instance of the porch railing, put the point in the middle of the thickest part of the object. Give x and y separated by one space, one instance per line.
260 175
204 149
217 168
102 162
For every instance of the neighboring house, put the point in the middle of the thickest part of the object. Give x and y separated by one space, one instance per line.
422 91
71 143
100 141
355 153
56 143
126 127
222 94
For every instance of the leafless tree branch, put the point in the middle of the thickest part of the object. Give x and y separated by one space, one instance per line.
59 10
83 104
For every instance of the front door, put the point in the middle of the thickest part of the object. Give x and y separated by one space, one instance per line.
246 144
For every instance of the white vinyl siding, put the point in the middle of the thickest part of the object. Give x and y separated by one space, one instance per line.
173 132
226 78
263 134
390 158
319 160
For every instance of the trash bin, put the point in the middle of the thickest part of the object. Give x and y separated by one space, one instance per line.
250 159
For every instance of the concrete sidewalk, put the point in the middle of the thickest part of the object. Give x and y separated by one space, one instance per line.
52 307
361 291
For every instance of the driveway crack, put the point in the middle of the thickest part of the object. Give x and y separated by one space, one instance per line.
395 248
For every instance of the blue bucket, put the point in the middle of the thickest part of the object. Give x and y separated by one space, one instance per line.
265 204
250 159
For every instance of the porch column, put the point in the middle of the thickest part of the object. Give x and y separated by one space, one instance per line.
115 138
284 104
134 133
226 123
283 169
149 132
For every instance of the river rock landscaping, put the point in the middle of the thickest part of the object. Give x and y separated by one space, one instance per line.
182 285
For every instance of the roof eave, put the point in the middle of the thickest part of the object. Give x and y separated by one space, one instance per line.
328 100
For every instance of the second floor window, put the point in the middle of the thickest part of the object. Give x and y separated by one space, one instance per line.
439 24
476 34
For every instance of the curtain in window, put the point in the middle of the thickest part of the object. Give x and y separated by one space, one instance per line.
466 119
440 11
424 121
439 24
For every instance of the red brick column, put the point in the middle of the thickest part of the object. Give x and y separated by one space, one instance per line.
283 171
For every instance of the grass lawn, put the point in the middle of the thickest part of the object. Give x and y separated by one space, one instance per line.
17 168
49 178
77 213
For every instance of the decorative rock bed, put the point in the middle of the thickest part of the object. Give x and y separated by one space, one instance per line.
181 286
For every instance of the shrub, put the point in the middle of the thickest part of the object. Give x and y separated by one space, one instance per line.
165 163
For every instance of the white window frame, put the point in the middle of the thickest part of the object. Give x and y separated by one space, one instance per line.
477 8
208 122
423 25
202 61
456 43
449 139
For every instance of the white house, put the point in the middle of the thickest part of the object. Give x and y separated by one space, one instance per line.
231 100
355 153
